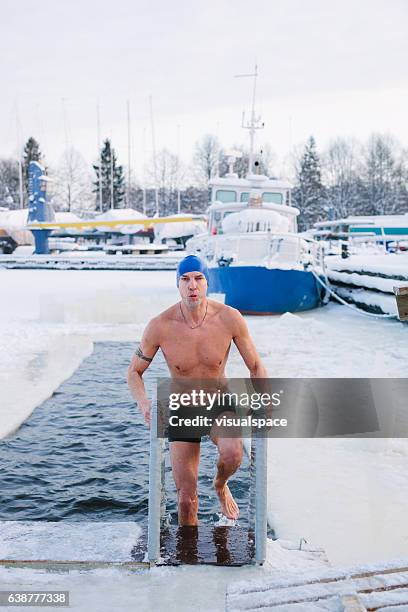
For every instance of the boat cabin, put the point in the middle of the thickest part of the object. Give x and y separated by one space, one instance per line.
231 194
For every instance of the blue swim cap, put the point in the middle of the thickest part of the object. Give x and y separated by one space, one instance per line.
192 263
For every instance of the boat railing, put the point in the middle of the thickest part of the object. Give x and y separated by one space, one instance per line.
265 249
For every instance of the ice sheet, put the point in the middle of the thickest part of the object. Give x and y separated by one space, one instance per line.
50 319
163 589
68 541
348 496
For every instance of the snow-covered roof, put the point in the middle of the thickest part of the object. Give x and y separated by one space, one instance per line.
118 214
67 217
14 219
184 228
376 220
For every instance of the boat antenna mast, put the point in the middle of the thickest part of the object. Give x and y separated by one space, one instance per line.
255 122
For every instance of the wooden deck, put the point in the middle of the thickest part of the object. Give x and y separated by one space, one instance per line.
371 588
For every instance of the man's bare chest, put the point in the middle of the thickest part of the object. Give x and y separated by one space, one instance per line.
187 349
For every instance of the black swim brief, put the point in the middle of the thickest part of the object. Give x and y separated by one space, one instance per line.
185 434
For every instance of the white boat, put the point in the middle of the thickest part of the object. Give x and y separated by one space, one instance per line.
388 230
254 254
252 249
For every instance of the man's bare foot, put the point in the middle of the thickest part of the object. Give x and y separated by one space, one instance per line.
229 506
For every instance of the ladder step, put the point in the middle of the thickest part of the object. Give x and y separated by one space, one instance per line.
203 545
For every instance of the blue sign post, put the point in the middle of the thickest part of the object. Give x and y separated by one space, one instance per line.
39 210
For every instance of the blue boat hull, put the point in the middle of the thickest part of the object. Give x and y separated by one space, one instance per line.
259 290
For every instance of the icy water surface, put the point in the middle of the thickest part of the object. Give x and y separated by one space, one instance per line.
83 455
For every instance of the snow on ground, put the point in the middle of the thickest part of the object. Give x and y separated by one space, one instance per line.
328 342
349 496
68 541
34 361
162 589
50 319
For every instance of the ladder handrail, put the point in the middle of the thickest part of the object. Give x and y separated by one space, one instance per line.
258 454
155 487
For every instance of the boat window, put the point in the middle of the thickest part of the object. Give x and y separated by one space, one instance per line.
224 195
269 196
244 196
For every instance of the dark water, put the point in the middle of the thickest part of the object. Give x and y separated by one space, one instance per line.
83 455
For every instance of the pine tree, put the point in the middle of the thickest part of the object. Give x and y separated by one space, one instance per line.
31 153
309 192
112 179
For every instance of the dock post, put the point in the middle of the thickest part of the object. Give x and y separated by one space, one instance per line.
155 490
261 490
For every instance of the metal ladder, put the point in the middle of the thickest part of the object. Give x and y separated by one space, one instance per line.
257 508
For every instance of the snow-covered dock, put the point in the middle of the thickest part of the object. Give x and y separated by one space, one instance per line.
68 545
88 261
379 586
369 280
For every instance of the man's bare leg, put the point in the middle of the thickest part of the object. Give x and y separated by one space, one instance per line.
230 456
185 459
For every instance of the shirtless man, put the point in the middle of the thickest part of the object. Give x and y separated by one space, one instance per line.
195 337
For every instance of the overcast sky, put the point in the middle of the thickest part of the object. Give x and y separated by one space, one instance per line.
326 67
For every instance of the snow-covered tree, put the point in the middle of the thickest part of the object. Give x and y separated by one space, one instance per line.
206 159
135 196
72 186
341 170
31 153
308 194
384 176
112 179
166 173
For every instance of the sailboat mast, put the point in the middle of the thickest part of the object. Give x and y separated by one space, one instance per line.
20 163
154 155
129 170
178 171
144 170
98 128
252 124
255 122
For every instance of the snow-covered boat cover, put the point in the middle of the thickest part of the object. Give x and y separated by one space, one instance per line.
177 230
117 214
255 219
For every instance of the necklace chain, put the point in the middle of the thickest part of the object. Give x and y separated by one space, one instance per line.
195 326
